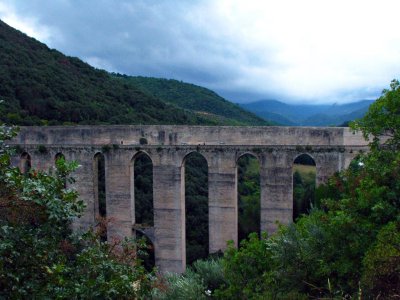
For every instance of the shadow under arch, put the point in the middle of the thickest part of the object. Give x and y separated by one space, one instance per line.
142 205
99 184
25 163
147 253
142 189
248 195
304 182
195 191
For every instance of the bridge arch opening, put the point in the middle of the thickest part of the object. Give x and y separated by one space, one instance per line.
142 190
142 204
304 182
25 163
195 171
248 195
100 193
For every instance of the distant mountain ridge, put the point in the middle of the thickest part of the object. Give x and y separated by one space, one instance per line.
306 114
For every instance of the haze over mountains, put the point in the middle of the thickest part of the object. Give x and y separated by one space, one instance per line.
308 115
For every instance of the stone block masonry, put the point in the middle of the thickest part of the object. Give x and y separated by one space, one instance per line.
276 148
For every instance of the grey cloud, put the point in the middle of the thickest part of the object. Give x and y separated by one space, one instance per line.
152 38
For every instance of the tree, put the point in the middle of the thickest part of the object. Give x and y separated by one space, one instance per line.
335 251
382 121
39 255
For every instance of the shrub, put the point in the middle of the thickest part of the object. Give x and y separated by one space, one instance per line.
40 257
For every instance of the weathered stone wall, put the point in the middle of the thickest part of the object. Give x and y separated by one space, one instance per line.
187 135
276 148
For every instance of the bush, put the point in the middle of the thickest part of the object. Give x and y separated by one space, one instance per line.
181 287
381 274
40 257
211 273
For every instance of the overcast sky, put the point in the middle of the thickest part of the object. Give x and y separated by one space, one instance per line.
318 51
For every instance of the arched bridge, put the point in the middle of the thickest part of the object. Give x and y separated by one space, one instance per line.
275 147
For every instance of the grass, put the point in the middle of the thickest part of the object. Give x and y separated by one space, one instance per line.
306 172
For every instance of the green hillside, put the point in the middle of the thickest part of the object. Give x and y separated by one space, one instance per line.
196 99
41 86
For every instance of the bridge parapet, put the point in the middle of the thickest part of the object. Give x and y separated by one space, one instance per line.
167 146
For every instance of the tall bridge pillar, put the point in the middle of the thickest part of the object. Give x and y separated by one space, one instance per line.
169 214
222 197
118 194
276 181
84 185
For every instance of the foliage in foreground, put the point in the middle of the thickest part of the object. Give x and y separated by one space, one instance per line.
348 247
200 281
40 257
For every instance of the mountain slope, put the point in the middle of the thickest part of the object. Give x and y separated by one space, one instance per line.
194 98
308 115
42 86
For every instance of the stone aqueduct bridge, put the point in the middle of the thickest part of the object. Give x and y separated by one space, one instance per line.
275 147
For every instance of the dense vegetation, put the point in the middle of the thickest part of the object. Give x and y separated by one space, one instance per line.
143 180
41 86
347 248
196 99
248 170
304 173
40 258
196 207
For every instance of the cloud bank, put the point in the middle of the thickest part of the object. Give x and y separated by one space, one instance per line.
298 51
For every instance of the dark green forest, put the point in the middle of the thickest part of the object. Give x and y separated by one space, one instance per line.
248 170
41 86
196 99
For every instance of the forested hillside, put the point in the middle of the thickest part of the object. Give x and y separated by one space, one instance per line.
196 99
41 86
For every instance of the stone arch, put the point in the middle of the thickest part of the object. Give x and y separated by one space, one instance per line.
247 153
142 204
309 158
141 174
99 184
304 172
25 163
194 174
248 194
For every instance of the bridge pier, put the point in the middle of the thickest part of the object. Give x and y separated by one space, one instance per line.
276 181
85 186
169 216
222 201
118 194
